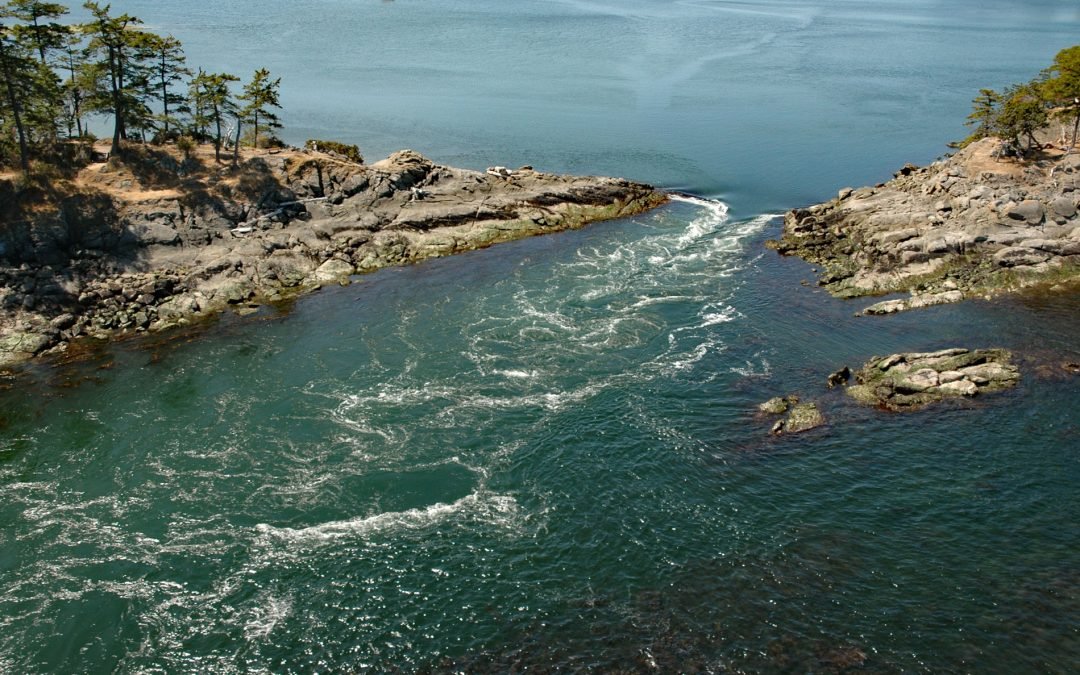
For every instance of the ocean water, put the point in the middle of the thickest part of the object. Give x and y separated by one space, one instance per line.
545 455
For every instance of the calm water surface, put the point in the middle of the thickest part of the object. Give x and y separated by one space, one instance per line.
545 454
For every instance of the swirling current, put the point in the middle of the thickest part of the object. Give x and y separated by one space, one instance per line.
539 454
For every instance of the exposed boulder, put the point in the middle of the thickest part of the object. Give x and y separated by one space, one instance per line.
909 381
1064 207
839 377
803 417
1029 211
800 416
1016 256
20 345
334 270
777 405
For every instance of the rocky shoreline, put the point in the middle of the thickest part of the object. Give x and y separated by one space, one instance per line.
143 247
968 226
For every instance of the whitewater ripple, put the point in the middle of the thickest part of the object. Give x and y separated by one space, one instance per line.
499 510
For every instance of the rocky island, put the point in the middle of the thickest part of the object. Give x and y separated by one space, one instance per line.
158 239
968 226
999 215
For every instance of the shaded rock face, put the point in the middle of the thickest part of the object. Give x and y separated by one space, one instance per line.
968 225
275 226
914 380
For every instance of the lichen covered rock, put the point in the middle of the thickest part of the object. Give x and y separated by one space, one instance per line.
914 380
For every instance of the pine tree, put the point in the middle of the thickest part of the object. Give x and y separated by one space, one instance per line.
200 105
33 27
45 35
169 68
81 81
16 68
261 94
984 108
1063 86
1023 112
113 41
213 101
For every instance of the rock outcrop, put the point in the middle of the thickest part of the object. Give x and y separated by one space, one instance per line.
965 226
914 380
800 417
108 258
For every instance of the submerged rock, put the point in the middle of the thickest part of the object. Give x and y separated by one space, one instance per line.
910 381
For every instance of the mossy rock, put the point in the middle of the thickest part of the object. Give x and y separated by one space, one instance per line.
777 405
910 381
803 417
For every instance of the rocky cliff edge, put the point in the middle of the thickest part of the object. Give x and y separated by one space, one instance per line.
966 226
158 240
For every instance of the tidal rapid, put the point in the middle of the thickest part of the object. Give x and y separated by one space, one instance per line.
546 454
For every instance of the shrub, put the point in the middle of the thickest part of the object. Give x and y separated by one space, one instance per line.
349 152
186 145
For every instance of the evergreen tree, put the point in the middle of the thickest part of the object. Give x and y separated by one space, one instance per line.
45 35
16 69
81 81
260 95
216 98
1063 86
984 109
168 68
115 43
198 97
1023 112
33 27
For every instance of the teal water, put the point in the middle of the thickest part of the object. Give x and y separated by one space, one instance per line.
544 455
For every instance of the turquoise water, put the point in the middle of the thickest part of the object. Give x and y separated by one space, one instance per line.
544 454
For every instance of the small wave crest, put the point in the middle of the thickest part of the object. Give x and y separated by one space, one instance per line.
500 510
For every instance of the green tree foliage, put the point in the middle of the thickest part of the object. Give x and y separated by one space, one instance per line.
16 70
168 63
199 101
52 76
80 82
1023 112
121 51
259 96
1023 109
214 100
33 27
1062 86
38 27
983 113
